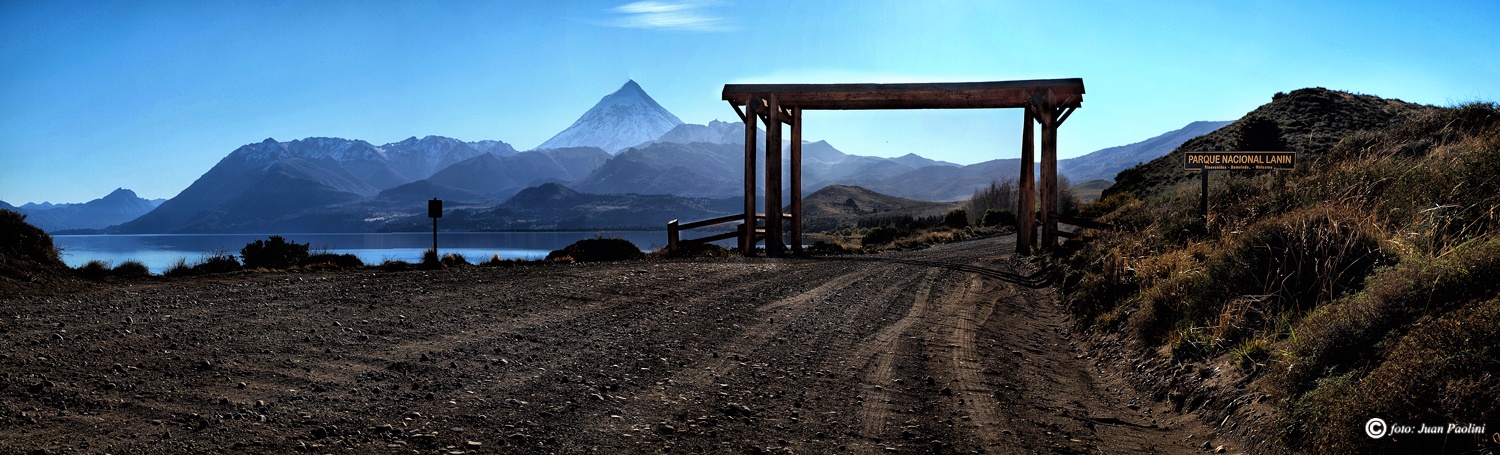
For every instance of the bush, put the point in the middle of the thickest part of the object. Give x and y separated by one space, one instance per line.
273 253
431 260
957 219
96 270
454 260
20 241
993 217
179 267
879 236
218 262
132 269
595 250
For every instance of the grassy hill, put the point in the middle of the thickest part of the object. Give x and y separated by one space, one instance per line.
1363 284
1309 121
837 206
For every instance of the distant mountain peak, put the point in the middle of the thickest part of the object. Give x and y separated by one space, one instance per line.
624 118
121 193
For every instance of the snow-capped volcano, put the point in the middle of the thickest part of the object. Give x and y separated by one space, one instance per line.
622 119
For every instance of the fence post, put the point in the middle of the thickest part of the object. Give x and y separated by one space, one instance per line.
672 233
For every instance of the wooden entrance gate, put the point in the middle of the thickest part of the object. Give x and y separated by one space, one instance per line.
1046 102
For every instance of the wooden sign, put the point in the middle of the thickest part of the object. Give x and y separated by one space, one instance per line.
435 208
1239 161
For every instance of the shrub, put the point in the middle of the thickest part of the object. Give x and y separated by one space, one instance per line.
595 250
20 241
179 267
219 262
454 260
957 219
431 260
96 270
132 269
994 217
879 236
273 253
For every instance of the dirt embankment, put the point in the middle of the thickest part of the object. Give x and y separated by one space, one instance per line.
951 349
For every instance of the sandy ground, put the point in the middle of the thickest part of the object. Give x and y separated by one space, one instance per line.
958 348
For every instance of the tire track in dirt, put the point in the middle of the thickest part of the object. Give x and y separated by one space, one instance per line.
963 315
875 410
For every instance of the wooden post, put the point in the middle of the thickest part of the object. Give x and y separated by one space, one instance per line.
1049 177
672 234
747 237
796 180
774 247
1026 203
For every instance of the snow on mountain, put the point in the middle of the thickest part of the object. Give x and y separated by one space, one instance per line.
496 147
625 118
715 132
417 159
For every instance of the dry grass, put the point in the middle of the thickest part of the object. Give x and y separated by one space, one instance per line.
1361 284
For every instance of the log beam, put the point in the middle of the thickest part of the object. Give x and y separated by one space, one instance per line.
796 211
1049 178
1026 202
774 247
747 236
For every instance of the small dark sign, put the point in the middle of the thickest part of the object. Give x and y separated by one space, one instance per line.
435 208
1239 161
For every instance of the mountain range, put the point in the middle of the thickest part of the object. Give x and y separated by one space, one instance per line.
119 206
627 144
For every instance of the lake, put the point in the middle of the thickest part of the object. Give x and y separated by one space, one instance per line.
161 251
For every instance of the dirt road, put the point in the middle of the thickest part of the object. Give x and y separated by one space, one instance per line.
957 348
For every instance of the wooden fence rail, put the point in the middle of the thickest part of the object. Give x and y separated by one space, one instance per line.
674 230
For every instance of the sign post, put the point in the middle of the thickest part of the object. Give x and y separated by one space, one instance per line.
1204 161
434 211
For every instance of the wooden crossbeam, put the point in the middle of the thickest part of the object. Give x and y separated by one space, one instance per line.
942 95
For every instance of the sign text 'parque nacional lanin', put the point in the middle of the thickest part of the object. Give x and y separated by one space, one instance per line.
1239 161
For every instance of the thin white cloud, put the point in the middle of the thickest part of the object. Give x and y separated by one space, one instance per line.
668 15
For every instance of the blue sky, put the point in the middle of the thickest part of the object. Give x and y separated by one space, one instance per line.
149 95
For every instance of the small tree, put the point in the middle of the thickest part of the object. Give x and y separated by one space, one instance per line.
1067 202
273 253
879 236
994 217
1258 133
999 195
956 219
